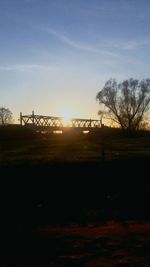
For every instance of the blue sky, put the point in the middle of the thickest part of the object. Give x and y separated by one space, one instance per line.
55 55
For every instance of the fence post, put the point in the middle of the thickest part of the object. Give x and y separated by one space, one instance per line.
33 117
21 118
103 144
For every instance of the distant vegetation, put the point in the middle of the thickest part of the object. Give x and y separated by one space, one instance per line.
125 103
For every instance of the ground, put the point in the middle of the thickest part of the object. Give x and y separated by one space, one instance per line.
74 200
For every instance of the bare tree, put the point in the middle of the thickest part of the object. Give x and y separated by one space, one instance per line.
126 102
5 116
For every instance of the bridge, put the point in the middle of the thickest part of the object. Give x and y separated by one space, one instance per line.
57 123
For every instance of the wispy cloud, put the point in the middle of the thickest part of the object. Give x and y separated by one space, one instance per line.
113 49
74 44
130 44
27 67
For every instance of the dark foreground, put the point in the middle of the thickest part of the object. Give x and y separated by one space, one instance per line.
112 243
76 214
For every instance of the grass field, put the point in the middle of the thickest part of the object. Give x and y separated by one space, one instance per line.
23 145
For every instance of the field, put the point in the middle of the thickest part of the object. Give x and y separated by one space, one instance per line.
74 199
20 145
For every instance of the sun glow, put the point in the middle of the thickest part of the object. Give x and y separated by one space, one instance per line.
67 116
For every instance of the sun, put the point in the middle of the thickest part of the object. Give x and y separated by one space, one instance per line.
67 116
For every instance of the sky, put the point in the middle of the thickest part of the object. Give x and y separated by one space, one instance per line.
55 55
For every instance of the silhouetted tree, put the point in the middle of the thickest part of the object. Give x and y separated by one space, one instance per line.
126 102
5 116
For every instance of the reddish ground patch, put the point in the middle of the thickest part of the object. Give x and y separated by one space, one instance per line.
114 244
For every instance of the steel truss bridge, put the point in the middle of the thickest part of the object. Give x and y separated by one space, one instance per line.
57 123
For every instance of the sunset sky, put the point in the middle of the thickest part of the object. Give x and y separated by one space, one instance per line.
55 55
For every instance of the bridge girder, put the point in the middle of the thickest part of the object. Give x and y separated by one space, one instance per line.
57 122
